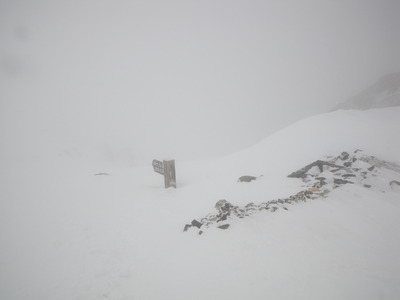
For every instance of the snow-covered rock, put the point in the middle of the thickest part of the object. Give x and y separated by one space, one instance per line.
319 178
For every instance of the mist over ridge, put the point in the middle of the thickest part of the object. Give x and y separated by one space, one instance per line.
131 81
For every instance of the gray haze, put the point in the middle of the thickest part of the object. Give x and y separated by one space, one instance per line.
383 93
136 80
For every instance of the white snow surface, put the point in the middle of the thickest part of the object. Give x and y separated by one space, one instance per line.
68 234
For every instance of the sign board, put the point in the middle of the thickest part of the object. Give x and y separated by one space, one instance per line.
158 166
166 168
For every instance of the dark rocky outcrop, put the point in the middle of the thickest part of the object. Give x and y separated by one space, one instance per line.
302 173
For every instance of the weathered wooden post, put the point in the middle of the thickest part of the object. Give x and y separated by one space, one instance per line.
169 173
166 168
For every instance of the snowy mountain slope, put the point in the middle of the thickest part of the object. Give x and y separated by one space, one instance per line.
68 234
384 93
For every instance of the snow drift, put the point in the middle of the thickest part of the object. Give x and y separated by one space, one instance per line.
67 234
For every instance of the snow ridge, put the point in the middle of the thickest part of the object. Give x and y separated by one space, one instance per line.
320 178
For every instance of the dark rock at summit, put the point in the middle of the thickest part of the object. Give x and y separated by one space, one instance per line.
302 173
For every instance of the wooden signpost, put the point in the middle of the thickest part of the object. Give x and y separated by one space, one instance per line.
166 168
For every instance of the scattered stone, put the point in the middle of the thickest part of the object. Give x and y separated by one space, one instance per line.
394 182
220 203
324 193
101 174
331 174
225 226
223 218
344 156
302 173
378 163
196 223
246 178
341 181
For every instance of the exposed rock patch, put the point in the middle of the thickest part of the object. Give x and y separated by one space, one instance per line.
319 177
246 178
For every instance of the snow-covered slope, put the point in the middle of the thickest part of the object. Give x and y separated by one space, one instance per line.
384 93
66 233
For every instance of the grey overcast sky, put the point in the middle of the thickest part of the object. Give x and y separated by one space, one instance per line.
183 79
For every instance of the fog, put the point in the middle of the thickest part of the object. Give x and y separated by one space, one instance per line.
135 80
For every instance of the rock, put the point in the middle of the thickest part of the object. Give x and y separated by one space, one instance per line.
324 193
347 164
226 207
394 183
341 181
220 203
302 173
222 217
371 168
367 186
225 226
246 178
187 226
196 223
348 175
344 156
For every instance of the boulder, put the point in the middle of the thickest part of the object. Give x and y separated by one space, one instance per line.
341 181
220 203
344 156
196 223
302 173
246 178
393 183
